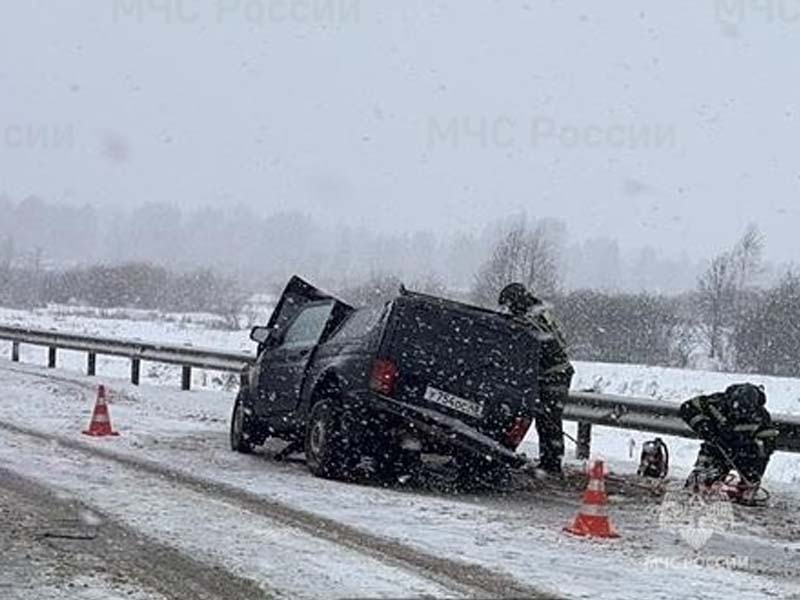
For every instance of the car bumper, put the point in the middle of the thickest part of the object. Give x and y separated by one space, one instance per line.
446 429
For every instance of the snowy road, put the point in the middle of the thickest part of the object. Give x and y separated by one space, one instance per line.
58 547
171 478
325 537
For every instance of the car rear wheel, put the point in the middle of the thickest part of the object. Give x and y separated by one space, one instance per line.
240 432
329 447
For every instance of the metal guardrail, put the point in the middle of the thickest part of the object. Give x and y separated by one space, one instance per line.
185 356
587 408
651 415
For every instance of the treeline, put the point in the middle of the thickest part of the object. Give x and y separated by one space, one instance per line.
35 233
728 322
131 285
767 337
626 328
644 328
670 331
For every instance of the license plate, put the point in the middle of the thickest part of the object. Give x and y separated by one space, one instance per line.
468 407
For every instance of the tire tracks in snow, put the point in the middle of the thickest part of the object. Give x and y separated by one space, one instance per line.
84 542
469 579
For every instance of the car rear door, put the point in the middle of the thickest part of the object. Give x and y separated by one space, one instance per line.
303 318
466 363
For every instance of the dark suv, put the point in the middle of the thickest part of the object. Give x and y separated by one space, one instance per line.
418 374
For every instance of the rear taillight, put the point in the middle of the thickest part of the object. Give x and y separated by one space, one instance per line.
516 433
384 377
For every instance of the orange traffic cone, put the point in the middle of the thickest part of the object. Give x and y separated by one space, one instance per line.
592 519
100 424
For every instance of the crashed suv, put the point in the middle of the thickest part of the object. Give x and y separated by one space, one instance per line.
387 382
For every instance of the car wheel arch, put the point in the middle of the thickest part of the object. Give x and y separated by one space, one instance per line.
329 386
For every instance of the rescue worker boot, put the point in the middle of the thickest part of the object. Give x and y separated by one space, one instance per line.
551 465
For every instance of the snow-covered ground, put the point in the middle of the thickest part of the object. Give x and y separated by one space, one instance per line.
518 534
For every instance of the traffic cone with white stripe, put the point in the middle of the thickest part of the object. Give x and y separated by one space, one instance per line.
100 425
592 519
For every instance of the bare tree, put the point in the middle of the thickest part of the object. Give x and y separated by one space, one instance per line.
723 290
684 342
6 254
748 264
524 254
748 256
6 257
716 291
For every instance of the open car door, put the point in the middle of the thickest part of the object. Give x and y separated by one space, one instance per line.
304 317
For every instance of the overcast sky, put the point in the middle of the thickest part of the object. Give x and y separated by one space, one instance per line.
664 123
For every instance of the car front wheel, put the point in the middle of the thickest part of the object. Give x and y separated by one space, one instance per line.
239 433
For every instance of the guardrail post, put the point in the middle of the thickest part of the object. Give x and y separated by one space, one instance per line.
91 364
14 351
584 448
136 365
186 378
51 357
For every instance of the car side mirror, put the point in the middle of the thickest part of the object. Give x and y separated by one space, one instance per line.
260 335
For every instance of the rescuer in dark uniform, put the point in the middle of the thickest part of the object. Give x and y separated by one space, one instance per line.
555 371
737 433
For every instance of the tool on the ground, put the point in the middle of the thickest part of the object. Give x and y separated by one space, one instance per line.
748 493
654 460
100 425
592 519
738 488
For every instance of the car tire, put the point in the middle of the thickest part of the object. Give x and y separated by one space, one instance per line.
329 446
241 427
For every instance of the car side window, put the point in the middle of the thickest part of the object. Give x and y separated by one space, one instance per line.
359 324
308 326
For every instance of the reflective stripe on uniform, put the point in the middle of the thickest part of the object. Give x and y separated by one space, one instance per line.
716 414
696 419
751 427
698 402
562 368
768 433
